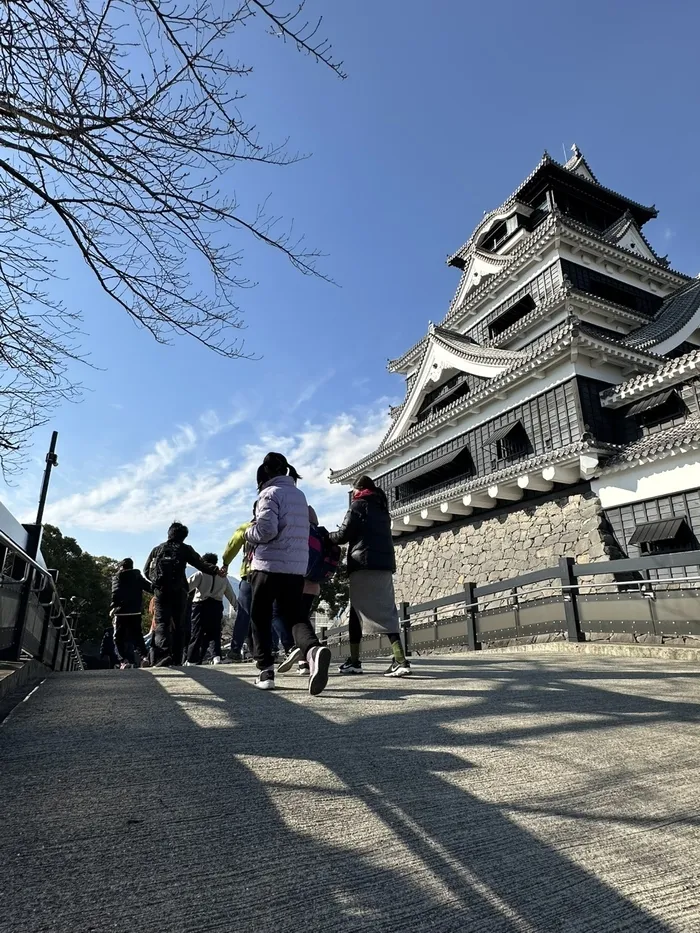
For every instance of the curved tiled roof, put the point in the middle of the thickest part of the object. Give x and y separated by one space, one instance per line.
461 487
655 446
673 314
529 359
469 349
544 161
671 371
662 269
616 231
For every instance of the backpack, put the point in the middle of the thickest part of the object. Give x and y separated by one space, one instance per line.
167 566
324 556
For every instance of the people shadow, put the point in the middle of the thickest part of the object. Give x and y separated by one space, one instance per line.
465 864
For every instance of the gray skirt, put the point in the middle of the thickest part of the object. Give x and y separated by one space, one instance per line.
372 598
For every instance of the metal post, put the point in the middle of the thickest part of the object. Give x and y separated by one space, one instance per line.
14 651
44 633
568 582
473 643
51 461
405 627
56 648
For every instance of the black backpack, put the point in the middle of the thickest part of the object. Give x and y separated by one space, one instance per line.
167 566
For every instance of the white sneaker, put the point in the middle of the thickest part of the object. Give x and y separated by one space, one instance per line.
216 660
319 659
266 679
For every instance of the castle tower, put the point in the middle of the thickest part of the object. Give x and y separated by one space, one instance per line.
554 410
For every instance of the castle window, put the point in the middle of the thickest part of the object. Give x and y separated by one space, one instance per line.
513 314
658 409
509 443
452 390
662 537
498 235
432 472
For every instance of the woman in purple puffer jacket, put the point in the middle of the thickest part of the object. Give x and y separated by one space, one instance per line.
279 536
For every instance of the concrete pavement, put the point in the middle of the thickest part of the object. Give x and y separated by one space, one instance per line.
534 793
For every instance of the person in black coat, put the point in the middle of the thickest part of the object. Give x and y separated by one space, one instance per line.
366 530
128 587
166 568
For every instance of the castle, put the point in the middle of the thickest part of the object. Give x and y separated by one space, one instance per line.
556 408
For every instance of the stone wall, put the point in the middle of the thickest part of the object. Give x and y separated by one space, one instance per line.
496 548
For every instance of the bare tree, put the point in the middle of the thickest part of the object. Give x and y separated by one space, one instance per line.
118 119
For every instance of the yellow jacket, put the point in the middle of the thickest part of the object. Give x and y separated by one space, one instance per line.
237 542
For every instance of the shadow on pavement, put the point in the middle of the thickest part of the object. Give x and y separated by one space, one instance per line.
189 801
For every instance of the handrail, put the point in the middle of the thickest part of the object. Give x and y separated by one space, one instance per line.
55 603
474 600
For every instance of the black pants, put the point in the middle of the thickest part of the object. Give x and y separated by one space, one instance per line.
354 628
128 637
207 616
287 590
171 607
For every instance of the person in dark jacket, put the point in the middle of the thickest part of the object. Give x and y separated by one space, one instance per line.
166 568
108 653
128 587
366 530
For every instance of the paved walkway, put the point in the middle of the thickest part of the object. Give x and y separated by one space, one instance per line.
512 793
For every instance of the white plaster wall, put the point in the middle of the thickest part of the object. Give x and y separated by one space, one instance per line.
649 480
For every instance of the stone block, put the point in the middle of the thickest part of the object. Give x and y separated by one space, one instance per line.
650 639
623 638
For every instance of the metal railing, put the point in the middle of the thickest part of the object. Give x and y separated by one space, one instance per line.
33 621
565 600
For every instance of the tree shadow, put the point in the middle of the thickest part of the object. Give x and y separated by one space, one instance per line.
263 814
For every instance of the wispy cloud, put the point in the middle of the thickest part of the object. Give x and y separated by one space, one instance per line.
181 477
360 383
669 234
308 392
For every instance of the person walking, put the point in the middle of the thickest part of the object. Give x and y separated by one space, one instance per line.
108 652
312 589
279 535
241 627
128 587
366 530
166 567
208 612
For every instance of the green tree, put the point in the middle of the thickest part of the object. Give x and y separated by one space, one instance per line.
85 579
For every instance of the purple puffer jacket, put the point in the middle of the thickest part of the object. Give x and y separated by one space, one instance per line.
280 531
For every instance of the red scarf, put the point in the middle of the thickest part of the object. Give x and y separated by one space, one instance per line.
362 493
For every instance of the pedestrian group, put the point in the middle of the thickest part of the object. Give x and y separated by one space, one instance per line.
286 555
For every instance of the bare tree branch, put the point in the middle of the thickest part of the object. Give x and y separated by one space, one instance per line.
118 122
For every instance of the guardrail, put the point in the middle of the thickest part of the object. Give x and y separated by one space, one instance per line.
33 621
641 597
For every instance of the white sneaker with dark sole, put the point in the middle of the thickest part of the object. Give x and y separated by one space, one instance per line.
289 661
350 667
303 669
319 663
266 680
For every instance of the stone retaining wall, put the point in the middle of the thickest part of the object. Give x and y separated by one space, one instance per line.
496 548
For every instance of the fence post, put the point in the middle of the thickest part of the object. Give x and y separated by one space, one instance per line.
566 571
473 643
56 648
405 627
44 633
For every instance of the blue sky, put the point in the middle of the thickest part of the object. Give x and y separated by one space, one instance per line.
446 108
